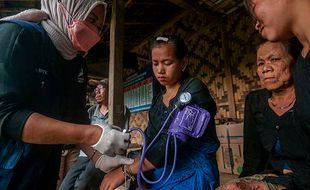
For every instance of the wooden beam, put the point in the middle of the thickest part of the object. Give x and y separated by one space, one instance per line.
141 23
195 8
181 4
144 2
235 8
116 92
128 3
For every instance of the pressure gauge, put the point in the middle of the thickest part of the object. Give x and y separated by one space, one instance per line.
185 98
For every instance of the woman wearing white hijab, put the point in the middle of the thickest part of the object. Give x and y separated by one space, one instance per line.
42 92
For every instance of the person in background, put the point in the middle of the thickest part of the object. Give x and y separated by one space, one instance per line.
84 175
273 155
69 155
70 152
196 166
42 91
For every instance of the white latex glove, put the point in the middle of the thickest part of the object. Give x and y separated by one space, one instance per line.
108 163
112 141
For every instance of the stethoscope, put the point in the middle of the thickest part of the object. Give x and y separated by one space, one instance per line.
184 99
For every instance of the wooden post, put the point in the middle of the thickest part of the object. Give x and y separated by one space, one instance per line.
116 93
228 76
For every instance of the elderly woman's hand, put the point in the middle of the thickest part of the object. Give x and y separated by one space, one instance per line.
230 186
113 179
244 184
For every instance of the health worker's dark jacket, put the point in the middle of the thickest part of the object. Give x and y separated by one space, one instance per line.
34 78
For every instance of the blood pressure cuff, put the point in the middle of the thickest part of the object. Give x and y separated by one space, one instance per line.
190 121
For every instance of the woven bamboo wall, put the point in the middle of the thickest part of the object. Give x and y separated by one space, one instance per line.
243 42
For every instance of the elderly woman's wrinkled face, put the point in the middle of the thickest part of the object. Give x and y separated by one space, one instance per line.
274 66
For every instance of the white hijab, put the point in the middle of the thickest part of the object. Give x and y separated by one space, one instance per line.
55 20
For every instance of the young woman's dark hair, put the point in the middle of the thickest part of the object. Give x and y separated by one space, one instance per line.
180 49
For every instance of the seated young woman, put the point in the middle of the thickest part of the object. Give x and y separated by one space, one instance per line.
196 166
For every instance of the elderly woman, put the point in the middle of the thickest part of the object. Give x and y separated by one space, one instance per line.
275 146
42 91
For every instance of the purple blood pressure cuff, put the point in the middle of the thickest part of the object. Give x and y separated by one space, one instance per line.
191 121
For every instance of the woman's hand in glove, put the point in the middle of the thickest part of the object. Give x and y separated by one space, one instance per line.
112 141
108 163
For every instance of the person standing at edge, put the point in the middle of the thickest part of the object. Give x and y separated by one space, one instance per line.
42 71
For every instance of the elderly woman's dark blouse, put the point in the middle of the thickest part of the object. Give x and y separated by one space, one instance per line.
262 129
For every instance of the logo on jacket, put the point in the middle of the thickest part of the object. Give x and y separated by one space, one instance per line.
80 78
